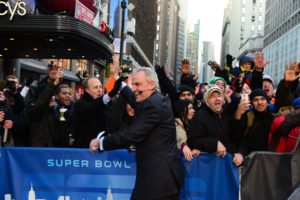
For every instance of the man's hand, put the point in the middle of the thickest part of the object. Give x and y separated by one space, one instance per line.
259 61
59 76
242 108
115 68
229 59
290 73
2 115
221 149
238 159
227 95
160 71
187 153
94 145
8 124
116 88
195 152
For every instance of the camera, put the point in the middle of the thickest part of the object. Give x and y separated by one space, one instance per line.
211 63
126 70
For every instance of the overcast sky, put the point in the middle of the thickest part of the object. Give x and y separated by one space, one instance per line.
210 13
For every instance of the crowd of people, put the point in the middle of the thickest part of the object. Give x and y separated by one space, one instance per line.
238 111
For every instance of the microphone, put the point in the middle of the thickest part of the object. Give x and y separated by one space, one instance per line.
141 92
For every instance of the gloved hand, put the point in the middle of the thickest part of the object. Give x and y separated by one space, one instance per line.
238 85
229 59
160 71
116 88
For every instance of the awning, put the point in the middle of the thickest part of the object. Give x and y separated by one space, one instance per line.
42 68
52 36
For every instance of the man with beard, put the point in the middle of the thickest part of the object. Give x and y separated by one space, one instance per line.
254 126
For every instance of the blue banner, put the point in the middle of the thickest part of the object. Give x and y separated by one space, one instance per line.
76 174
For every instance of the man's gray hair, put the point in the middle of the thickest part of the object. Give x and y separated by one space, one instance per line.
150 75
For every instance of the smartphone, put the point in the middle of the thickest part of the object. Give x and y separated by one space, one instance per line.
211 63
244 97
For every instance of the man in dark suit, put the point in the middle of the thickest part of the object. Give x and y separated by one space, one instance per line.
159 170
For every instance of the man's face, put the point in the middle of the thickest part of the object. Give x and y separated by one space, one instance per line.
215 102
259 103
64 96
14 80
52 72
268 88
185 68
141 87
94 88
186 95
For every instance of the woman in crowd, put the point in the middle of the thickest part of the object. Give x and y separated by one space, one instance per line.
184 113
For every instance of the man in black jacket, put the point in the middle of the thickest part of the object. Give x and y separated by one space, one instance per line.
153 133
89 111
211 128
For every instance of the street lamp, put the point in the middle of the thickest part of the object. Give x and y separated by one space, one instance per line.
123 6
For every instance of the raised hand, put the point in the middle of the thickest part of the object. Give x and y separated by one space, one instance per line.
59 76
259 61
229 59
290 73
117 87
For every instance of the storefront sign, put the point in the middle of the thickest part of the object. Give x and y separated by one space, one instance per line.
19 8
83 13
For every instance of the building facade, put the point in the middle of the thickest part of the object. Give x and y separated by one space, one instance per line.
282 36
181 38
193 49
166 34
243 28
208 54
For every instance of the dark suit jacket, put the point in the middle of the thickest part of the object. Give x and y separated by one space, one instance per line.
159 169
88 119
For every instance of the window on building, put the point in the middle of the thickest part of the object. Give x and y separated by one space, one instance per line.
260 9
254 1
244 2
243 10
259 27
64 63
243 19
253 18
260 18
252 27
82 65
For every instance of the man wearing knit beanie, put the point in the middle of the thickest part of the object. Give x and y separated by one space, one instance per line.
255 125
